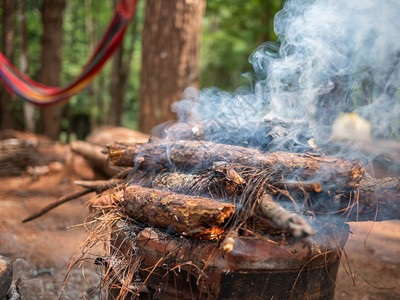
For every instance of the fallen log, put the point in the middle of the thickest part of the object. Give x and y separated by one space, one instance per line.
182 214
157 155
18 156
94 156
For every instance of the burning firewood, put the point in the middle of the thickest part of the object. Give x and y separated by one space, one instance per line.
343 188
269 216
182 214
373 200
191 155
276 216
264 135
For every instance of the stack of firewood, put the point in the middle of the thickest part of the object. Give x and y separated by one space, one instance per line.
185 184
207 203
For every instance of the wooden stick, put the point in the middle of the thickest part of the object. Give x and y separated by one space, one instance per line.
99 185
90 186
312 187
284 219
60 201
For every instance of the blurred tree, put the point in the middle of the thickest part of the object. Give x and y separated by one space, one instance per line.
29 109
7 44
50 72
170 57
119 76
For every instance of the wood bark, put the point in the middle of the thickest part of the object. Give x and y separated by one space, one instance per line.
6 120
192 155
50 72
182 214
211 184
373 199
170 55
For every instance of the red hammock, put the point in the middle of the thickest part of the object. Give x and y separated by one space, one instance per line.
20 84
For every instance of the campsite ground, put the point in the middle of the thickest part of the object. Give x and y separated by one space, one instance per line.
41 249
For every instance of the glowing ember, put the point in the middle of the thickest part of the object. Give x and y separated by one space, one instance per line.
212 234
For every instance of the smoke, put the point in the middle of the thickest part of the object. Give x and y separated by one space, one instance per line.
331 57
334 56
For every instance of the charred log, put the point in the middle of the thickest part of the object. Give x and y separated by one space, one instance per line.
269 216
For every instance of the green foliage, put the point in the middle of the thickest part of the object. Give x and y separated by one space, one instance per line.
34 32
231 32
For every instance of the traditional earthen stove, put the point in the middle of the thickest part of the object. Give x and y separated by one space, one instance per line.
197 219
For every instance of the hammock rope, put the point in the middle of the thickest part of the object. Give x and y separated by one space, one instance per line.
38 94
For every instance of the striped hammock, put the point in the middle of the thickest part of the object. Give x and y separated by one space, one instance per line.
38 94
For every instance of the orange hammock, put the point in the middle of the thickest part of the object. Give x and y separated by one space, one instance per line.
19 84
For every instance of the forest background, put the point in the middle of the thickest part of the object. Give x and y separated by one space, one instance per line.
50 40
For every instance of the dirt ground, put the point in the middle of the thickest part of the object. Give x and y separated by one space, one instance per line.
41 249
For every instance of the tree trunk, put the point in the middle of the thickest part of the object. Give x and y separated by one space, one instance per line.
170 54
29 109
117 87
7 43
50 72
92 41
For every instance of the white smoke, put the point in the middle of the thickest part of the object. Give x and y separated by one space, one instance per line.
336 56
331 56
